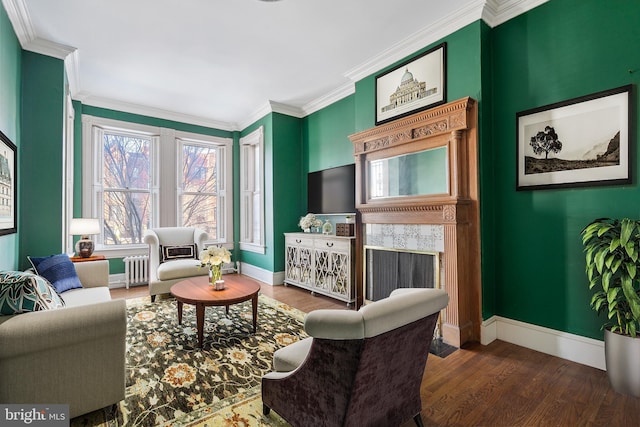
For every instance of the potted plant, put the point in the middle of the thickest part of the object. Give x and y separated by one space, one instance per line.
612 249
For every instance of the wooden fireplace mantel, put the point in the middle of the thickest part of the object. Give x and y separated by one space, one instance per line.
452 125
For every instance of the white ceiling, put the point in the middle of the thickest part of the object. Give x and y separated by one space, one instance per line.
225 63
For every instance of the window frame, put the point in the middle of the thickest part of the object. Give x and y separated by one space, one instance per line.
163 186
252 176
225 182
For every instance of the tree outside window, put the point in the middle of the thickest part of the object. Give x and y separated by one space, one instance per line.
126 188
198 193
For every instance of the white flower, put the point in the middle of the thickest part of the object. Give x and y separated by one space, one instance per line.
308 221
214 255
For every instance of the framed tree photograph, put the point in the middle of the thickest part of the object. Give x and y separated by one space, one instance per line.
8 181
412 86
580 142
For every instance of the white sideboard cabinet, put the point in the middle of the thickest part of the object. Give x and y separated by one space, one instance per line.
321 263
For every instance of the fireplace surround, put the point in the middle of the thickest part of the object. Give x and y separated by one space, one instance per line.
422 170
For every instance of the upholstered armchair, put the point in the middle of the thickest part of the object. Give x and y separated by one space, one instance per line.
357 368
173 256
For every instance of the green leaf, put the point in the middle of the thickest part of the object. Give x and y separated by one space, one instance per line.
626 229
616 265
631 269
609 260
629 248
599 259
604 229
606 279
632 329
615 244
632 297
612 294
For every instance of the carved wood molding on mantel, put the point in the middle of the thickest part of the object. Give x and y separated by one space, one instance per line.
453 125
437 213
439 120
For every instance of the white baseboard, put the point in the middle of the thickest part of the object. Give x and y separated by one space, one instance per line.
575 348
266 276
117 281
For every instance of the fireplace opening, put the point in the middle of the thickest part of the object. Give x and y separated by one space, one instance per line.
388 269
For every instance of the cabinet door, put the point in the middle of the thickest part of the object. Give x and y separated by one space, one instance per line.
298 261
332 266
292 264
341 270
322 270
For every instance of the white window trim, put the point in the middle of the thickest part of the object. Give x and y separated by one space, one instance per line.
225 182
163 152
248 241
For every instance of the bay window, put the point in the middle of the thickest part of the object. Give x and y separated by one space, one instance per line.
137 177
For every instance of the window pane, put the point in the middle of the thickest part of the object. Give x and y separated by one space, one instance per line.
126 217
199 171
200 211
126 161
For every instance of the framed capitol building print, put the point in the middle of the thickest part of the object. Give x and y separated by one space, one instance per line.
8 193
412 86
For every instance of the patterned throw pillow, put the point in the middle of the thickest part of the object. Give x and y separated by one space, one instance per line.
172 252
58 270
22 292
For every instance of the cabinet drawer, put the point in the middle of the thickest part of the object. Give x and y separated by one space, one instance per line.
332 244
298 240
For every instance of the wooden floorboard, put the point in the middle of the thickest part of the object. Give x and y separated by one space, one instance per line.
500 384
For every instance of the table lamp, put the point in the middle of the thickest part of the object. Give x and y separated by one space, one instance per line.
84 227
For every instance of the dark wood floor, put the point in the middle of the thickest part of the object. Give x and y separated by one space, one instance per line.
500 384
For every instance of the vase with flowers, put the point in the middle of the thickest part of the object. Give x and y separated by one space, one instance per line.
308 221
213 257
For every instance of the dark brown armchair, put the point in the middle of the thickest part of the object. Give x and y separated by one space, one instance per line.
358 368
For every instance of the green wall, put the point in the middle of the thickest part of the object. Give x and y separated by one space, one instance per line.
289 180
10 66
41 150
326 134
558 51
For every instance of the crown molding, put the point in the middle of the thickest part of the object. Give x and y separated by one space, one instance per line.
278 107
497 12
271 107
328 99
159 113
18 14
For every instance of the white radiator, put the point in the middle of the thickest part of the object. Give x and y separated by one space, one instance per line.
136 270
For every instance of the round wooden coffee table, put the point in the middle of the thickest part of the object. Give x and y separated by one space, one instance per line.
199 292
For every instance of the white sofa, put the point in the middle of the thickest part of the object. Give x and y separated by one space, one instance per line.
163 275
73 355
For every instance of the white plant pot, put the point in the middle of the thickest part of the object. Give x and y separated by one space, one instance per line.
622 357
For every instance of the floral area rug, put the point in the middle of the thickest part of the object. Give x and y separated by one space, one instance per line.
171 382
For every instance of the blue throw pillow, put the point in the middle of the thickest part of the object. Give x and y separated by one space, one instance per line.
58 270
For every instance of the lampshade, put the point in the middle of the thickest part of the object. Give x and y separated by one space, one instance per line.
84 226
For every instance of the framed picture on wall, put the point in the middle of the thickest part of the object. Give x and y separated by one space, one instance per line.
8 182
412 86
580 142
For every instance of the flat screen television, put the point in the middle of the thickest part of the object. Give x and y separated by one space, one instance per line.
332 191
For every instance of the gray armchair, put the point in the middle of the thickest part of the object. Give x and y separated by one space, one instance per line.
163 275
358 368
